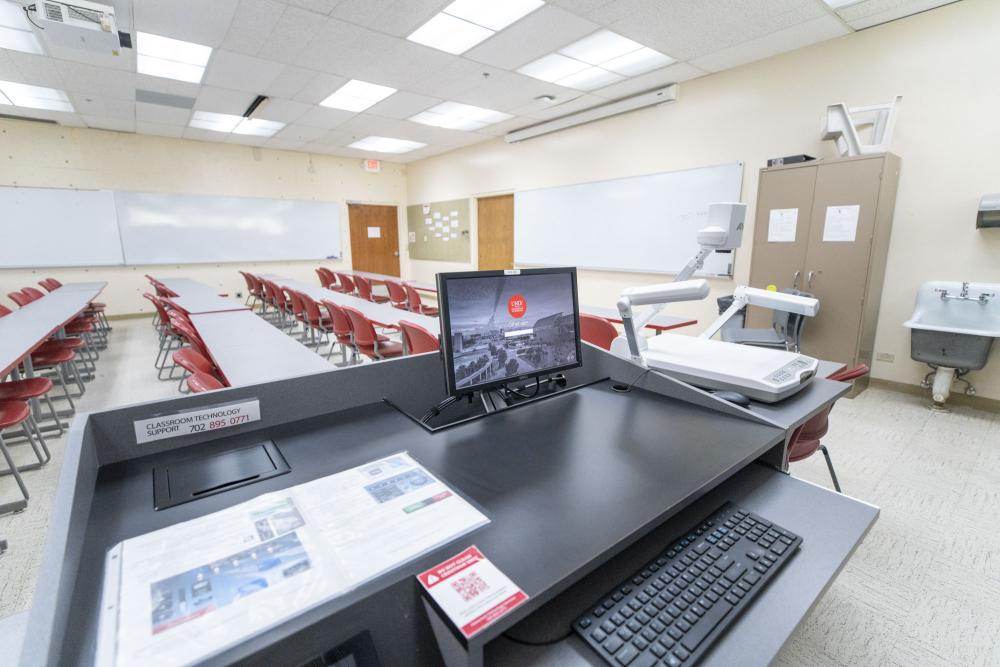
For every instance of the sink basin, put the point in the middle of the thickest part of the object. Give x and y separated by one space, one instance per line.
952 326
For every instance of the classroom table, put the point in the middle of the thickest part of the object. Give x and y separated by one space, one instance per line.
381 314
658 323
184 287
381 278
199 304
248 350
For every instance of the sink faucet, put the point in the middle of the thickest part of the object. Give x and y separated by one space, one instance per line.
984 297
965 290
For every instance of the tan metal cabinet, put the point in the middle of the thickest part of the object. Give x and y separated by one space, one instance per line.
837 253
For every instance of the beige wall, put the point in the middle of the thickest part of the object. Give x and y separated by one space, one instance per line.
40 155
944 62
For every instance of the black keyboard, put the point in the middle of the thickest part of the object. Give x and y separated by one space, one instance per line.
671 611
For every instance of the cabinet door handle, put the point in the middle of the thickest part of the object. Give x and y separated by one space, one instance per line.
809 278
795 279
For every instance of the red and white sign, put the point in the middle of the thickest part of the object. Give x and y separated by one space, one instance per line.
472 591
517 306
372 166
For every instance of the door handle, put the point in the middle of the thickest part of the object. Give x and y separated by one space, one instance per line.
809 278
795 279
395 253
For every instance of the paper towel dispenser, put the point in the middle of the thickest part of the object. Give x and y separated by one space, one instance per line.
989 211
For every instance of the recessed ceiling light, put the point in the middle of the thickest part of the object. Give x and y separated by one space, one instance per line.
637 62
258 127
450 34
35 97
838 4
456 116
600 47
492 14
386 145
171 58
217 122
357 95
15 31
590 78
552 67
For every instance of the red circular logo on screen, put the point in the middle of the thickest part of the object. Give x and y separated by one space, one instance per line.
516 306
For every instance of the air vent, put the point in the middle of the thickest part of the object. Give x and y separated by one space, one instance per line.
164 99
33 120
85 14
53 11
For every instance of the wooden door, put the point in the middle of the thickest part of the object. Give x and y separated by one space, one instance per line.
837 270
495 217
374 238
779 261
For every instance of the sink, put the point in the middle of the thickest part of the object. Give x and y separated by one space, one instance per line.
953 327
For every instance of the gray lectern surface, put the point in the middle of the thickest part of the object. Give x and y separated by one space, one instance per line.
569 482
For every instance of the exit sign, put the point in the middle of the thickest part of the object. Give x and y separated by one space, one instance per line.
373 166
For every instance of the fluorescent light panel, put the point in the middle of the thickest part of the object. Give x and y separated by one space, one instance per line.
15 30
465 23
228 123
386 145
456 116
357 95
597 60
171 58
35 97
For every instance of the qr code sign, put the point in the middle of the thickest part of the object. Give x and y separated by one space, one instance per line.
469 586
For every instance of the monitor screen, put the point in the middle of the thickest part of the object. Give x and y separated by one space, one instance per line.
498 327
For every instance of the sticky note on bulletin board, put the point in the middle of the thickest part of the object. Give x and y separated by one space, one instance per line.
440 231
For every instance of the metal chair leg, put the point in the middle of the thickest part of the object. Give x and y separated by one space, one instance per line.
15 507
829 464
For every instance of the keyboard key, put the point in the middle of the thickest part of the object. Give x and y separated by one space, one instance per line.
683 626
690 617
734 573
704 627
681 653
644 660
625 634
658 650
598 635
640 644
672 661
701 548
634 625
644 618
626 612
612 645
618 619
626 655
656 626
649 635
618 597
608 604
585 622
609 627
760 568
634 604
599 611
752 578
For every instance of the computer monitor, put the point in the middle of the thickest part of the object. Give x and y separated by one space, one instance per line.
499 327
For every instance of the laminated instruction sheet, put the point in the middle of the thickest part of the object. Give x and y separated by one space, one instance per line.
183 593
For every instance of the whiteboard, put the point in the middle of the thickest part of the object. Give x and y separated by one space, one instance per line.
56 227
160 228
643 223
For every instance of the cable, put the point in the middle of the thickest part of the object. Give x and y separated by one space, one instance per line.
637 378
545 643
516 392
27 12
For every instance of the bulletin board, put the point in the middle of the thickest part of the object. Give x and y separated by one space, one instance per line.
439 231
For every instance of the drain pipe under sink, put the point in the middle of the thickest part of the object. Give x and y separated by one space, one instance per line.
941 388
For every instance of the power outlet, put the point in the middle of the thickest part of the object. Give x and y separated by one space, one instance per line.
886 357
239 295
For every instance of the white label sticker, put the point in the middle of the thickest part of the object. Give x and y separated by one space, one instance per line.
841 223
214 418
413 237
437 215
374 232
454 223
781 225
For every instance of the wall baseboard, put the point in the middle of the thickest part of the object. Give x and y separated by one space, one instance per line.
958 398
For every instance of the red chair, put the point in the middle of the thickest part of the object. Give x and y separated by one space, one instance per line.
61 361
27 389
329 277
367 341
315 320
20 299
33 293
340 325
251 293
200 382
397 294
805 439
365 290
597 331
4 310
415 305
193 362
346 283
417 339
18 413
49 287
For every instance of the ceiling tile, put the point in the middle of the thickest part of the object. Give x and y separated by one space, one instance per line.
79 77
346 49
537 34
639 84
93 105
195 21
403 105
393 17
159 129
364 125
325 118
581 7
283 111
503 91
167 86
319 88
289 82
239 72
789 39
37 70
221 100
291 35
252 24
301 133
284 144
157 113
686 29
116 124
873 12
319 6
